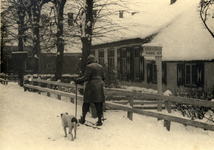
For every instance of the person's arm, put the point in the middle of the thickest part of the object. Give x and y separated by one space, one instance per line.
84 78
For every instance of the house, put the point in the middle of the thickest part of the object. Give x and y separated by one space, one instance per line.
187 48
47 62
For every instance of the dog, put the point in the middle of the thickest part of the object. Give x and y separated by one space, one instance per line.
71 122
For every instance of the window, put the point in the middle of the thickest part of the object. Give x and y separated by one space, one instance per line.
136 62
111 57
190 74
154 79
101 57
124 63
152 73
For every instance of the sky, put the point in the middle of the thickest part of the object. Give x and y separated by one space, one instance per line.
152 16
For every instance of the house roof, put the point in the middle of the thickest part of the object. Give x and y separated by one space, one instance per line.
186 38
180 31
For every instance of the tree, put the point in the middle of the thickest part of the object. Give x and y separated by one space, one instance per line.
33 9
18 14
59 4
91 12
204 7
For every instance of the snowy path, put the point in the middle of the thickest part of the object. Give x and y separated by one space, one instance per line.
32 121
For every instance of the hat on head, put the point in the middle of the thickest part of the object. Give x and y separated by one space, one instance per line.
91 59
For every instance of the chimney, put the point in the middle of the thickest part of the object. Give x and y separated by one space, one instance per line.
172 2
121 13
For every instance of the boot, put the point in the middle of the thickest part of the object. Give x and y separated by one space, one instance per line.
99 123
82 120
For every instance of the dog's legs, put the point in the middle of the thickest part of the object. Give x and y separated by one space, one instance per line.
65 131
70 131
72 138
74 134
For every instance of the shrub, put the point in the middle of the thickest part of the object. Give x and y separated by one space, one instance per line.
111 76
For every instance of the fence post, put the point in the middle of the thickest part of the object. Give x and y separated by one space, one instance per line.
168 106
6 79
31 83
167 124
130 114
49 86
60 89
39 84
159 106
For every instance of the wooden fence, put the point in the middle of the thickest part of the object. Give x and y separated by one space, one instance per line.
131 97
4 79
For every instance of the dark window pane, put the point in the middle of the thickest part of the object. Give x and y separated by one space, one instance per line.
155 73
101 53
124 53
194 74
137 52
136 68
187 79
188 69
111 53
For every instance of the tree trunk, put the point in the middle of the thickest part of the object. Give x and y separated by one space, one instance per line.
86 32
36 39
60 42
20 63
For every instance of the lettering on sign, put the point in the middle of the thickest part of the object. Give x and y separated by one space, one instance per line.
152 51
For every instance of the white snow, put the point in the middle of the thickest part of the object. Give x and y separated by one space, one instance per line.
186 38
180 29
30 121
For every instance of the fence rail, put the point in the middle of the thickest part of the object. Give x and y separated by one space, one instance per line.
131 96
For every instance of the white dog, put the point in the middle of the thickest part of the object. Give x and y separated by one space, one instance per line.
71 122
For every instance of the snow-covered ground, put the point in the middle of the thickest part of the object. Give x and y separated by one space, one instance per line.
30 121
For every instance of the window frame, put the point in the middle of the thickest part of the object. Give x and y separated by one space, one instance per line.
137 60
190 84
101 59
111 56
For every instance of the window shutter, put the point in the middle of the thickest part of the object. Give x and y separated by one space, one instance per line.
121 61
180 75
200 74
164 78
141 61
131 49
149 73
128 63
118 61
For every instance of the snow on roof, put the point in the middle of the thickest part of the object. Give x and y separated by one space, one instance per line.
180 30
186 38
152 44
149 18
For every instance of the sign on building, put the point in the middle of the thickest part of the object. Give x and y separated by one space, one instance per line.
152 50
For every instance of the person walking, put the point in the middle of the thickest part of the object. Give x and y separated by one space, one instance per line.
94 93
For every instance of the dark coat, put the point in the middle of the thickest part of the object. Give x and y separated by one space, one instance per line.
94 75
